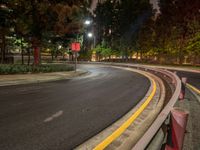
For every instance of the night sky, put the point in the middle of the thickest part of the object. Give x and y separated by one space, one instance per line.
154 2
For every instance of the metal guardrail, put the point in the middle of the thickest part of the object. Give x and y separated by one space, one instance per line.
150 134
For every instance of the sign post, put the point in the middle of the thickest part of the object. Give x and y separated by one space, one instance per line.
75 48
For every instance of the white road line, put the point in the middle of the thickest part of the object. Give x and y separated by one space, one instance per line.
56 115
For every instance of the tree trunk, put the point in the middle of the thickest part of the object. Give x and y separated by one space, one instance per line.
181 54
36 56
3 45
40 55
37 51
126 55
180 57
52 56
29 56
195 59
63 56
141 55
22 52
137 55
109 58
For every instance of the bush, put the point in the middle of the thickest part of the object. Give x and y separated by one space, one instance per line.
21 69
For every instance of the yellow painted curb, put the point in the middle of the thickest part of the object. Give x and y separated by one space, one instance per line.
194 88
128 122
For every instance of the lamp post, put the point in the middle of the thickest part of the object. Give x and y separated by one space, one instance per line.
91 35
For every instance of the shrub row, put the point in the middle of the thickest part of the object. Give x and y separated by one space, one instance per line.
20 69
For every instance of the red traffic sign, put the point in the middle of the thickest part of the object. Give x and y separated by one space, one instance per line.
76 47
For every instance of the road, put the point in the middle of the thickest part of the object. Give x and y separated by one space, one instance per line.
192 78
191 104
62 114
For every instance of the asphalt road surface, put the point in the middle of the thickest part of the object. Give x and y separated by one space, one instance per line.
192 78
61 115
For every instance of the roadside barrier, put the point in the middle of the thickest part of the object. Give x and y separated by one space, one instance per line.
166 120
183 86
177 128
163 118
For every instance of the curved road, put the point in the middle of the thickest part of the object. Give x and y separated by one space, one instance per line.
61 115
192 78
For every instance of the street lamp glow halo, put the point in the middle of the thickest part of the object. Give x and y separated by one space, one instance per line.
59 46
90 35
87 22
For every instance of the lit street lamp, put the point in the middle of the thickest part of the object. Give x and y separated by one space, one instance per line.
87 22
59 46
91 35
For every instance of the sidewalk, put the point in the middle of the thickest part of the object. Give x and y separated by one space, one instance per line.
6 80
192 135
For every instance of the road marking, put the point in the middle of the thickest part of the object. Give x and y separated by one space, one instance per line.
56 115
128 122
194 88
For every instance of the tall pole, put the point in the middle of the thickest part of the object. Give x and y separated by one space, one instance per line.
76 52
94 42
75 64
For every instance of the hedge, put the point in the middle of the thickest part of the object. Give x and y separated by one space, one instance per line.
21 69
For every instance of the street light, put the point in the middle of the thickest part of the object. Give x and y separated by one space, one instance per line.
90 35
87 22
59 46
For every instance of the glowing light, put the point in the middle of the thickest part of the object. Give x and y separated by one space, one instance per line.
90 35
87 22
59 46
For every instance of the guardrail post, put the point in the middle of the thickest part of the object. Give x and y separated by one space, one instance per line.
183 85
177 129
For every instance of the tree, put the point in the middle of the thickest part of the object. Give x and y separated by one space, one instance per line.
177 15
146 39
193 46
119 23
37 21
168 36
106 52
97 50
23 45
6 22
